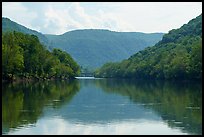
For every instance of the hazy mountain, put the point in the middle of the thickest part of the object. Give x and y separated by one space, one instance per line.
92 48
8 25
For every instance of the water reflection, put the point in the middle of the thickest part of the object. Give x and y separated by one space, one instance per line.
59 126
103 106
23 103
178 103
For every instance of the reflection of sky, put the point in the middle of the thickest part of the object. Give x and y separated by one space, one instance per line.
94 111
93 105
59 126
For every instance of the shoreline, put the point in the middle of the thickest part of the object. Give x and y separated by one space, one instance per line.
33 79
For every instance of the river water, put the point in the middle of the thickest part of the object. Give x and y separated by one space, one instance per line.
102 106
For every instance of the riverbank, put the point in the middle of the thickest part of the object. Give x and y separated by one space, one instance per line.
32 79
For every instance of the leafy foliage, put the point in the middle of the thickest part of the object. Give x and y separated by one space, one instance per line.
24 56
91 48
177 56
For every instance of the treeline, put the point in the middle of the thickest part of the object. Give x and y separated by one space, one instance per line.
23 56
177 56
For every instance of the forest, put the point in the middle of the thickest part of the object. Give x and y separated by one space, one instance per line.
24 57
177 56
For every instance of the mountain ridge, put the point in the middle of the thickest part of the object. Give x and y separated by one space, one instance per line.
177 56
91 48
9 25
102 45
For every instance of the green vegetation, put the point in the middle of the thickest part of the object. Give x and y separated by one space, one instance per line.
91 48
177 56
24 56
8 25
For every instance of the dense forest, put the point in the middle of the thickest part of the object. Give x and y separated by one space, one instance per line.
91 48
23 56
177 56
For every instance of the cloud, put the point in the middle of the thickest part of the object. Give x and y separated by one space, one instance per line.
158 16
19 13
58 18
70 18
75 17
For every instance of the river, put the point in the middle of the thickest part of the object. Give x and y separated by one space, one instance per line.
102 106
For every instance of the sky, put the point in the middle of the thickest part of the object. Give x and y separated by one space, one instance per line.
60 17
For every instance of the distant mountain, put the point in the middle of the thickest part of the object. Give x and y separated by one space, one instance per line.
8 25
92 48
177 56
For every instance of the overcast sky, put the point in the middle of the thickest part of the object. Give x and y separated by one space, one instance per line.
58 18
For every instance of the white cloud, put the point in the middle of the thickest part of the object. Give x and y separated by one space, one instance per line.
158 16
19 13
55 20
58 18
78 14
62 20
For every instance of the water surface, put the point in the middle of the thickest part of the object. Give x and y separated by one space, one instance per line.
102 106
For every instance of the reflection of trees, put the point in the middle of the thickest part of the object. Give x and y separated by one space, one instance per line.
23 103
172 100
